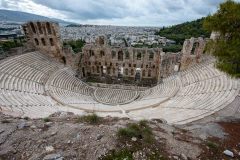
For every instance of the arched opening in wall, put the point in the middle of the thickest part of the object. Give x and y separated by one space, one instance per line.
108 70
113 54
138 75
149 73
126 72
151 56
64 59
101 40
195 46
102 53
143 73
113 71
49 28
98 69
139 56
101 69
91 53
43 41
51 41
39 27
132 72
126 55
93 69
36 41
33 27
83 72
120 72
120 55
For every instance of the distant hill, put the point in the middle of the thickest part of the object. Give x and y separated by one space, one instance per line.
21 17
184 31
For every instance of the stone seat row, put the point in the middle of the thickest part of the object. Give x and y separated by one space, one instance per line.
166 89
13 83
70 97
65 80
215 84
199 74
16 98
22 81
115 96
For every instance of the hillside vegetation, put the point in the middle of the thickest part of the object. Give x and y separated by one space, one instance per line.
226 21
184 31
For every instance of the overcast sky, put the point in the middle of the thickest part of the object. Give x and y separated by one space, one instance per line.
117 12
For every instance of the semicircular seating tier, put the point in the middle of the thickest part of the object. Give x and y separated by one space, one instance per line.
205 90
35 85
22 80
69 90
115 96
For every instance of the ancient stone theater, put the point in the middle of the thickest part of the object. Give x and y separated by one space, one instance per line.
138 83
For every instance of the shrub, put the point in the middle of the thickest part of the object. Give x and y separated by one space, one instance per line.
92 119
212 145
119 155
139 130
46 119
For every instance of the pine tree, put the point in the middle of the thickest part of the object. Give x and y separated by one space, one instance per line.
226 48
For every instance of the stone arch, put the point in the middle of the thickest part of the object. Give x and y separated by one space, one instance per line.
43 41
51 41
138 75
113 54
127 55
108 70
102 53
143 73
120 55
132 72
98 69
113 71
151 55
64 59
101 40
149 73
39 27
139 55
194 48
36 41
126 72
83 72
91 53
33 27
48 28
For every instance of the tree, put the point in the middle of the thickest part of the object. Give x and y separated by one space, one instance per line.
183 31
226 48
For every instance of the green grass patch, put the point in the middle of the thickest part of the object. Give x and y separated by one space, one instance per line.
91 119
212 145
46 119
139 130
123 154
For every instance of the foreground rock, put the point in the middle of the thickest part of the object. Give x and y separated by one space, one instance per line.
64 137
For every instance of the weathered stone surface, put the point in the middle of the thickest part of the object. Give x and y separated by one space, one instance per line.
192 52
53 157
228 153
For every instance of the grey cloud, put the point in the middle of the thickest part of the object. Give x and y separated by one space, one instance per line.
125 12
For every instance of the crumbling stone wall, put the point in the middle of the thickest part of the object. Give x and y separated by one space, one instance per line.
134 64
192 52
45 37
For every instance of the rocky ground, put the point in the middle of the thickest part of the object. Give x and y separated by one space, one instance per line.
67 136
